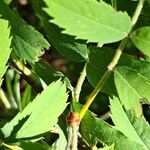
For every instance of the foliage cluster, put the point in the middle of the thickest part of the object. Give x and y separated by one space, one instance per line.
110 40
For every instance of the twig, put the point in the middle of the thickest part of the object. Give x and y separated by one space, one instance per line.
105 116
69 138
74 121
80 83
114 61
29 76
4 99
17 92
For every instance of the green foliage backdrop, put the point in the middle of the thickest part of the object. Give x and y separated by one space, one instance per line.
56 56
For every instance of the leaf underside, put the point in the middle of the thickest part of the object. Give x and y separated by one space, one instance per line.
137 82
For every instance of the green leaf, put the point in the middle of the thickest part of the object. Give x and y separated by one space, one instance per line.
137 82
100 58
4 46
136 129
143 19
8 1
127 94
148 2
141 39
74 50
27 43
49 74
107 147
42 114
97 66
27 96
89 20
93 129
33 145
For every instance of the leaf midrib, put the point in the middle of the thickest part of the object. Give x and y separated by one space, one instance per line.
91 19
146 80
144 40
138 136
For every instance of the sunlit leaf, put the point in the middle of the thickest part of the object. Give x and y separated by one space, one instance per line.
136 129
27 43
4 46
89 20
138 83
42 113
74 50
141 39
100 58
128 95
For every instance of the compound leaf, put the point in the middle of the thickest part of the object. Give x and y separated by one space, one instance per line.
89 19
49 74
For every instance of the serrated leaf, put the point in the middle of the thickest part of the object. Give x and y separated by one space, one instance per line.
74 50
27 43
98 62
127 94
49 74
124 144
43 112
136 129
93 129
138 83
89 20
141 39
143 19
97 66
4 46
